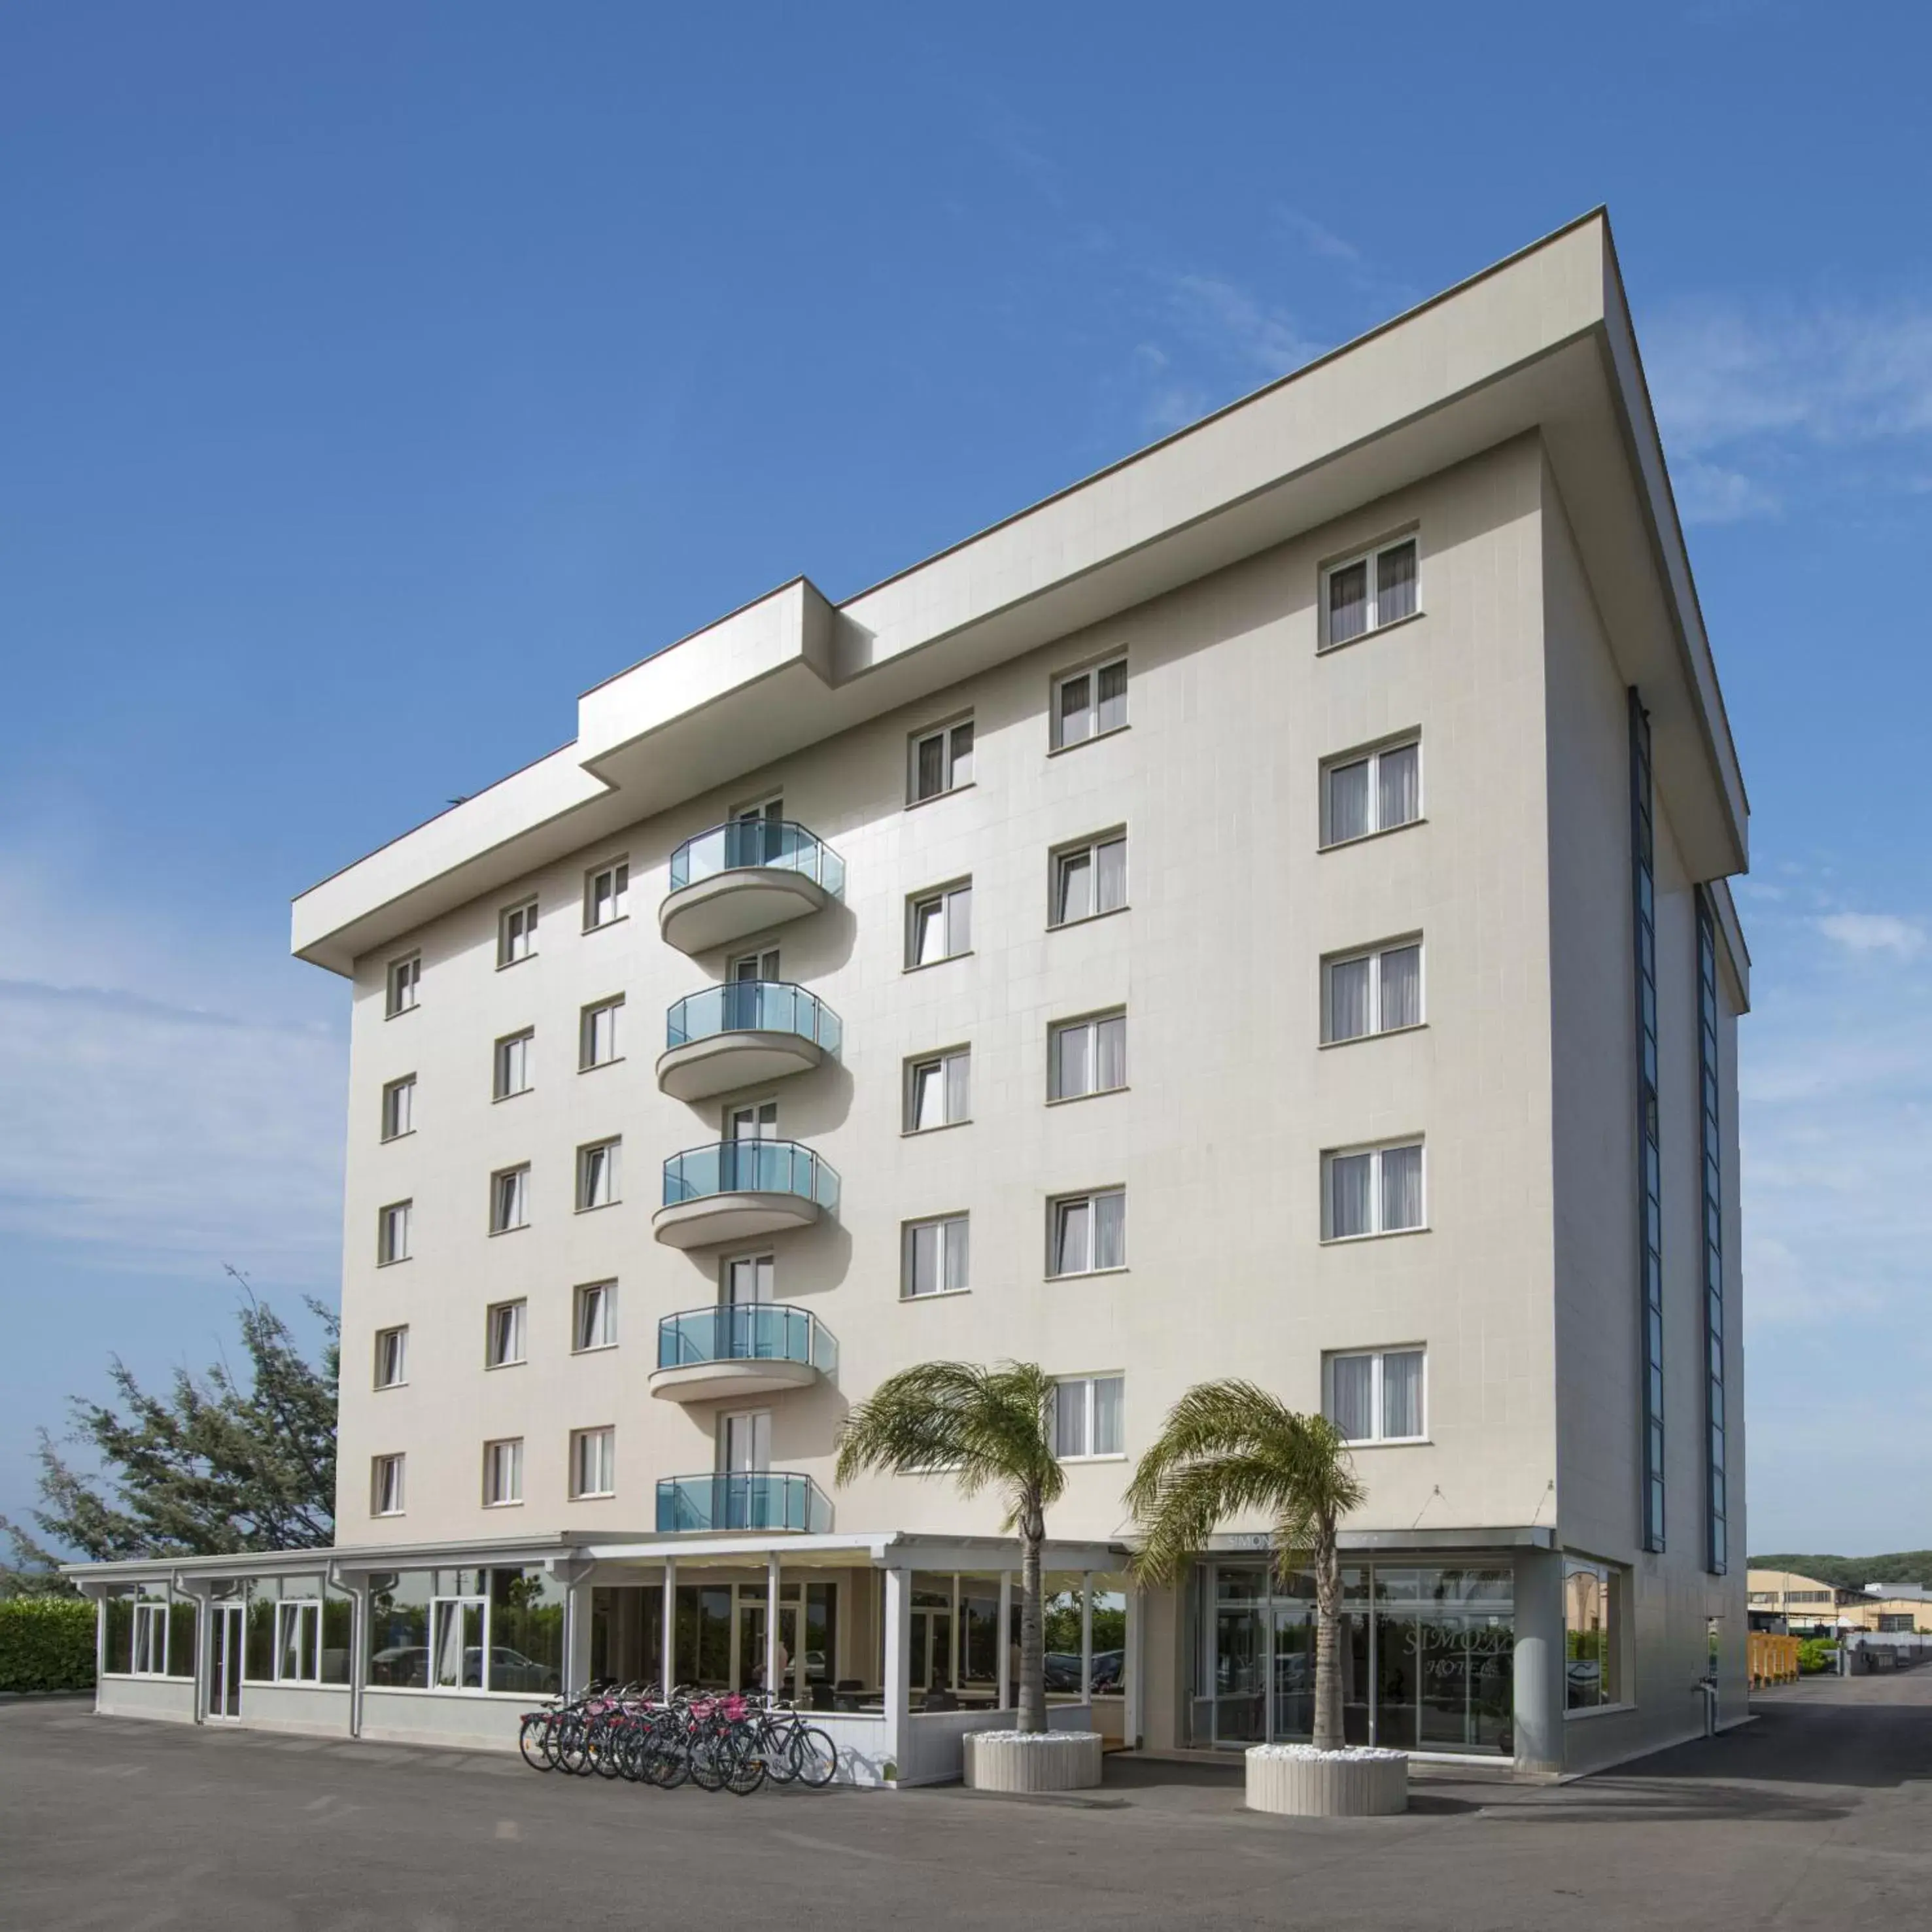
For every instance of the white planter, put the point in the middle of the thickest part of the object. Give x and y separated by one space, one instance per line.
1298 1781
1032 1760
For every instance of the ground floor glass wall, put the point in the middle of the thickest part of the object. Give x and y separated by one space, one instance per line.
1425 1653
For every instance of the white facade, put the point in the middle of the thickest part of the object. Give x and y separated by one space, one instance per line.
1503 432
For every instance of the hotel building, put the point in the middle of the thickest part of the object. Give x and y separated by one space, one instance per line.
1262 911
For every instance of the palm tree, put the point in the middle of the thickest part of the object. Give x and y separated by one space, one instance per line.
987 1429
1229 1448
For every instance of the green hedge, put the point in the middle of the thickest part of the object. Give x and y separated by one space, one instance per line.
47 1643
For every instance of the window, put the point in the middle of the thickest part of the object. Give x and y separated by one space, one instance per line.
513 1057
598 1182
937 1091
1710 1169
399 1108
595 1323
939 924
457 1625
1379 991
1650 1154
1088 1232
1371 1191
392 1233
941 760
593 1462
516 933
1369 591
150 1640
502 1473
748 1278
510 1199
937 1257
504 1323
1090 879
749 967
405 975
385 1486
298 1641
1086 1416
392 1356
1365 792
1593 1612
1089 704
597 1034
606 895
1088 1056
1376 1396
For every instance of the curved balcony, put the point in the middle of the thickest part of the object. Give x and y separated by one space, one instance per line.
744 876
745 1033
742 1499
759 1348
738 1190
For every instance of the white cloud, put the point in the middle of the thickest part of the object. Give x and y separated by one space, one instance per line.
1316 238
1709 493
1223 316
1868 932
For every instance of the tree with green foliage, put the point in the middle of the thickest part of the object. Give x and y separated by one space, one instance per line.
986 1429
1229 1448
221 1463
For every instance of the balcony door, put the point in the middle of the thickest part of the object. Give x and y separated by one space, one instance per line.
742 1168
748 1280
224 1661
761 838
744 1442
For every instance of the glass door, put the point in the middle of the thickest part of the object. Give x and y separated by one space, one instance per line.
752 1647
742 1170
224 1661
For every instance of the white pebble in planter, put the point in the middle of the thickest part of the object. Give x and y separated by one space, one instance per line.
1032 1760
1298 1781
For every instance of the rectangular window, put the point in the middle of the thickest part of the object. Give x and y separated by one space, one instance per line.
1088 1232
1370 591
1090 879
392 1233
405 976
1374 1190
593 1462
595 1325
938 1091
937 1258
749 967
939 924
298 1641
599 1182
1711 1155
1375 1396
1593 1612
456 1640
510 1199
606 894
516 933
941 761
1086 1417
399 1108
385 1486
514 1056
392 1356
1379 991
1087 1056
502 1473
597 1034
1090 703
1366 792
150 1640
1649 1149
504 1325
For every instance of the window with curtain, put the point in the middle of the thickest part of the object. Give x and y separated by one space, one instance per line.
941 760
517 934
504 1323
1371 1191
1379 991
405 977
593 1462
385 1485
937 1257
939 924
598 1033
392 1348
599 1182
1090 703
1086 1419
502 1473
513 1055
1090 879
510 1199
1370 791
1370 591
1376 1396
1088 1232
392 1232
938 1091
596 1323
749 1278
1087 1056
606 895
399 1108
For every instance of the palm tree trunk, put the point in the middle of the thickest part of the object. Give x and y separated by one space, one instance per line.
1032 1622
1327 1639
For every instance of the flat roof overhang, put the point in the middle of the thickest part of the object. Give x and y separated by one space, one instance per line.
1541 344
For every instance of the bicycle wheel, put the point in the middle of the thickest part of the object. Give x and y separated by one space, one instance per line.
749 1764
573 1743
710 1759
815 1757
607 1758
531 1741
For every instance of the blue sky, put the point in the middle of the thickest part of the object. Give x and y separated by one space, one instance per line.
374 379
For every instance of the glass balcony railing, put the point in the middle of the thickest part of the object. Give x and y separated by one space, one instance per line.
753 1006
742 843
747 1499
750 1167
756 1331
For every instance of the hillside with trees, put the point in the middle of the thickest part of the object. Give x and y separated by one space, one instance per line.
1854 1573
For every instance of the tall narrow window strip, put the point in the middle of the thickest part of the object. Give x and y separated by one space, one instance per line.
1649 1203
1716 1552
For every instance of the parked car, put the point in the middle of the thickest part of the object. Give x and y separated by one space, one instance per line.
407 1665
